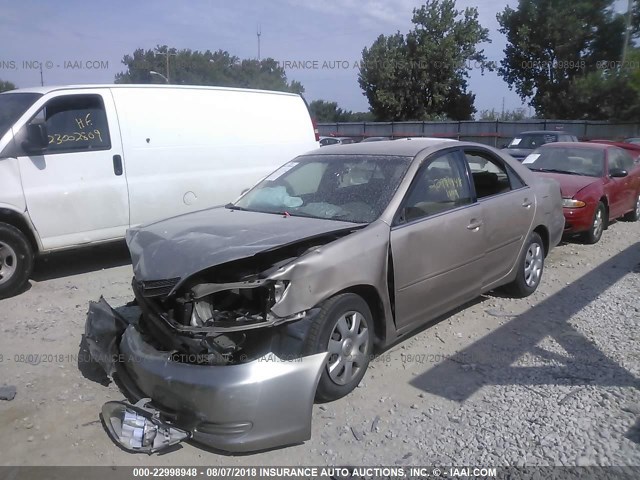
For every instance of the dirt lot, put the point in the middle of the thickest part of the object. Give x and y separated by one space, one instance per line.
548 380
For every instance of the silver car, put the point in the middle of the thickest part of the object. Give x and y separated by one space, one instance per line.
253 310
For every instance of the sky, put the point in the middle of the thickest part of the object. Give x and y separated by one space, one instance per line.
63 35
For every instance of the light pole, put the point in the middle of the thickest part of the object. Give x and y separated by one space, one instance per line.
167 54
627 33
160 75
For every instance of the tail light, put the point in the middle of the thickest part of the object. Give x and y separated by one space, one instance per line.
315 129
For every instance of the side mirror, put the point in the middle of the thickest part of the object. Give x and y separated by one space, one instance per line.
617 172
37 139
244 191
504 145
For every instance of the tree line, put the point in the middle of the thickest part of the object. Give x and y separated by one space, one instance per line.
573 59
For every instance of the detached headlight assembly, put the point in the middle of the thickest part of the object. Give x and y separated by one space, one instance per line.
571 203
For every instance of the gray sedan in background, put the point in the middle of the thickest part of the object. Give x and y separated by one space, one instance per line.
253 310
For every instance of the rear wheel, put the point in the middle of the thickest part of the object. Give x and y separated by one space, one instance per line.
530 267
634 215
16 260
344 328
597 225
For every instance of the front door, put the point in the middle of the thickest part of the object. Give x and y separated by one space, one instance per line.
76 191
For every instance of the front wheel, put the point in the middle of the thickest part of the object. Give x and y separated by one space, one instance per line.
530 267
598 225
344 328
634 215
16 260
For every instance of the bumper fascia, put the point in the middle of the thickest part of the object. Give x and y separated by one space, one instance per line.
578 219
258 405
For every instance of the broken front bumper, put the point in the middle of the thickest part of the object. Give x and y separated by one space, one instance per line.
257 405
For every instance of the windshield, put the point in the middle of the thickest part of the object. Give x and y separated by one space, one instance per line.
573 161
12 106
352 188
532 141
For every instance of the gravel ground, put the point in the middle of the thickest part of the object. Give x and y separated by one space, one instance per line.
547 380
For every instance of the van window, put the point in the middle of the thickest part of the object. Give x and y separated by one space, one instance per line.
75 123
12 106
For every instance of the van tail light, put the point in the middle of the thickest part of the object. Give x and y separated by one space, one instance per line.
315 129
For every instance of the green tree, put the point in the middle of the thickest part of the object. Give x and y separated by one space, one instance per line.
553 45
324 111
6 86
192 67
607 96
424 73
361 117
506 116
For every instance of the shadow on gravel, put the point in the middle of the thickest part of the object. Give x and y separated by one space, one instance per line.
634 433
489 360
83 260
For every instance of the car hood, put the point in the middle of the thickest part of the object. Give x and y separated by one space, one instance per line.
570 184
519 153
182 246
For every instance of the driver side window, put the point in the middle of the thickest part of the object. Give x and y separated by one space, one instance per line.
75 123
441 185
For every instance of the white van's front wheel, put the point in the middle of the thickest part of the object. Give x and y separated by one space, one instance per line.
16 260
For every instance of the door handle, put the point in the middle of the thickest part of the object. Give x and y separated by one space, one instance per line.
474 225
117 165
526 203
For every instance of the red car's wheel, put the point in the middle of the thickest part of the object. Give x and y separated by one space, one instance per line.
597 225
634 215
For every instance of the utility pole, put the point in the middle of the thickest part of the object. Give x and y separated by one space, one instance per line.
627 33
167 54
258 33
41 77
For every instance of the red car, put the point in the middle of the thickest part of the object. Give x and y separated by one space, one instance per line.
599 183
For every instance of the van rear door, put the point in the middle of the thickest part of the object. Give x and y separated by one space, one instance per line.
76 190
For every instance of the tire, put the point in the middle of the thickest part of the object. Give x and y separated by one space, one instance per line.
634 215
530 268
344 327
16 260
598 225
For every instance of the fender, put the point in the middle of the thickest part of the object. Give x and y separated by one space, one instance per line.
21 220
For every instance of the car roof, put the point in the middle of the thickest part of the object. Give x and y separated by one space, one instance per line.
591 146
54 88
545 132
406 148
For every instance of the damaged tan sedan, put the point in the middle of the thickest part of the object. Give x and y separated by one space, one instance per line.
253 310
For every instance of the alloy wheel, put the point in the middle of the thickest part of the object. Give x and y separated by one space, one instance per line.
347 347
533 265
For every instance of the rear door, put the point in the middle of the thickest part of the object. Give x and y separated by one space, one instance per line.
437 242
507 210
76 191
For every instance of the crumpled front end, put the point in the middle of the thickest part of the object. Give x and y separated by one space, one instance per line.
248 404
222 349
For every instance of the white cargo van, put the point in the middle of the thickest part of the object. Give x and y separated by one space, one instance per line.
81 164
